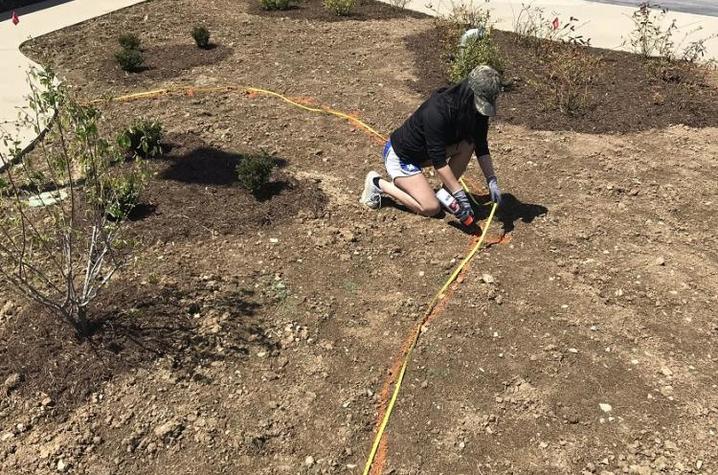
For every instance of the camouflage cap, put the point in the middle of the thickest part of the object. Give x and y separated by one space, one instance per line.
485 82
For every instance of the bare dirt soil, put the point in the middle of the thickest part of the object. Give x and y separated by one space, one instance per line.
254 336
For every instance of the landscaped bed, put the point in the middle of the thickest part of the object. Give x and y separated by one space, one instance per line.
252 333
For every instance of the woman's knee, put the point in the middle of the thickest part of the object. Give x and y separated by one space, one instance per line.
429 208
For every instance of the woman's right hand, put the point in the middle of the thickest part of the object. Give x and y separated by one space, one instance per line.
465 209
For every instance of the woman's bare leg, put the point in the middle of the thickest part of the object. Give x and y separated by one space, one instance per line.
414 192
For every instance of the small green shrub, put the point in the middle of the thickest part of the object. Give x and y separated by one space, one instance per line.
462 58
253 171
201 36
340 7
122 195
276 4
143 139
476 51
130 60
129 41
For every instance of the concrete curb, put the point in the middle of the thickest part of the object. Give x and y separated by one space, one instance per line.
606 25
36 20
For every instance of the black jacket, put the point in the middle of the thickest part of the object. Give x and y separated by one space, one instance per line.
446 118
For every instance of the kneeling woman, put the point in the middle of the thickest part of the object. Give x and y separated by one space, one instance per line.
443 132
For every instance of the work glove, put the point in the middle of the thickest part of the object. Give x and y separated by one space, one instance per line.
465 209
494 190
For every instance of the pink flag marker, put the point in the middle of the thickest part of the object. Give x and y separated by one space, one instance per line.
555 24
15 18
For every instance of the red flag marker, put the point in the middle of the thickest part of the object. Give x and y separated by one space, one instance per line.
15 18
554 23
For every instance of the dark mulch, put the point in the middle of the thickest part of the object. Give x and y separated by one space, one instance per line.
315 10
627 93
132 326
165 62
194 193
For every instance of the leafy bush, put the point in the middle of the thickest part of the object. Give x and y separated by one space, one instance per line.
130 60
340 7
254 171
129 41
59 248
122 193
276 4
201 36
475 52
143 138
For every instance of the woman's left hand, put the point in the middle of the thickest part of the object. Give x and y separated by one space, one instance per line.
494 190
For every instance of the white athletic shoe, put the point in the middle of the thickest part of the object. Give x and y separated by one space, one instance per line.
371 196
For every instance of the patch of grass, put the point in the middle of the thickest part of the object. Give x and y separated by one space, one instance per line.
200 34
253 171
280 291
350 286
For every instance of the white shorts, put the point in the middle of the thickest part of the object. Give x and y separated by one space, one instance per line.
396 167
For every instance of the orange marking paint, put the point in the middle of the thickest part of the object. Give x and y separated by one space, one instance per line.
385 393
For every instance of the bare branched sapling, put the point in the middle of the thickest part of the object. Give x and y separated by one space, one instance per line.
58 244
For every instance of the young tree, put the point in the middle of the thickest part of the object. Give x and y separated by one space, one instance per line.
59 245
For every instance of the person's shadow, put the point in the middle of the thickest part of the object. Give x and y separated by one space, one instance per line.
510 211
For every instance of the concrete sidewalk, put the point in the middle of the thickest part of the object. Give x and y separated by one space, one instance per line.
608 26
36 20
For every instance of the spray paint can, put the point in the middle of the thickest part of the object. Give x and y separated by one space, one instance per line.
451 205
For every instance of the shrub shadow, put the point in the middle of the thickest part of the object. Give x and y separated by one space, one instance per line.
141 211
206 165
140 328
